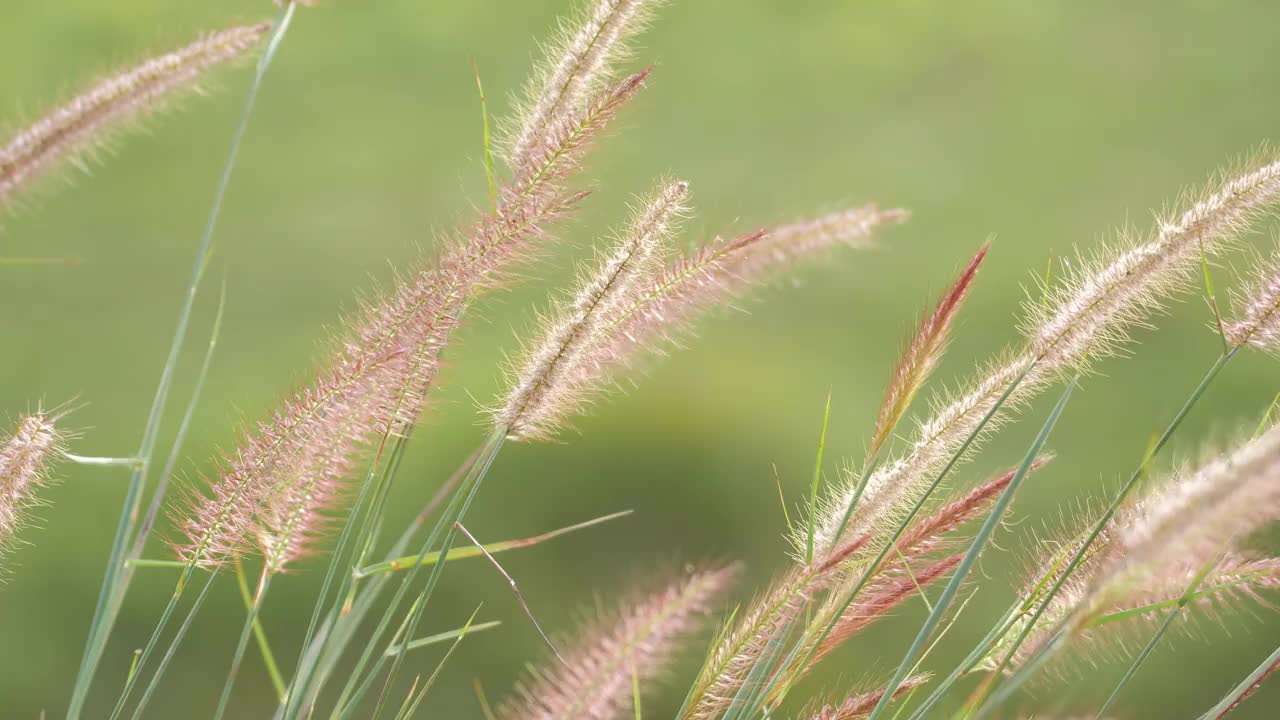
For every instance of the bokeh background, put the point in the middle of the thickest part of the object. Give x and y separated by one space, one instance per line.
1047 124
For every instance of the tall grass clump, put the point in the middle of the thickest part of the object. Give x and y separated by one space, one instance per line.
307 488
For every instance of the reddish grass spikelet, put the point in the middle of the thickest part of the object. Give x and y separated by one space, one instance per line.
860 705
574 67
924 535
87 119
640 639
881 597
25 459
554 377
922 353
1257 321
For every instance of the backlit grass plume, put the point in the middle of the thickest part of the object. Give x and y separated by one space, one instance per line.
859 705
88 119
553 379
715 275
922 354
382 369
25 459
575 66
1257 318
636 643
1085 318
1187 535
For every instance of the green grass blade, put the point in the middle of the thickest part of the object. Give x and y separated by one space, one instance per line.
462 633
111 593
1142 656
1245 688
470 551
443 637
456 509
971 557
250 620
173 648
1102 522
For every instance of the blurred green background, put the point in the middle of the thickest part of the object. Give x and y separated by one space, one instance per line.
1047 124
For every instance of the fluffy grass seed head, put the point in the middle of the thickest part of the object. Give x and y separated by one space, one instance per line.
553 378
87 119
287 471
860 704
1257 309
1086 318
1191 524
639 640
25 460
575 66
717 274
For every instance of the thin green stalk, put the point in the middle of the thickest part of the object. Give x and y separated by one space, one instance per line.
1106 516
817 480
902 526
443 636
488 144
413 708
485 710
470 551
154 640
149 562
111 593
438 569
173 645
1138 661
305 670
1245 688
340 626
260 635
250 620
453 511
1004 625
975 549
175 450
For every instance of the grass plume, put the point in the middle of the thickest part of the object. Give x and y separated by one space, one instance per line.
88 119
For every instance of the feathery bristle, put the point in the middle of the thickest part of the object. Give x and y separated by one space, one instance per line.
554 378
1190 520
924 535
811 237
859 705
327 420
880 597
378 378
87 118
1167 538
639 640
1258 310
741 645
1086 319
922 353
576 65
715 275
24 467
